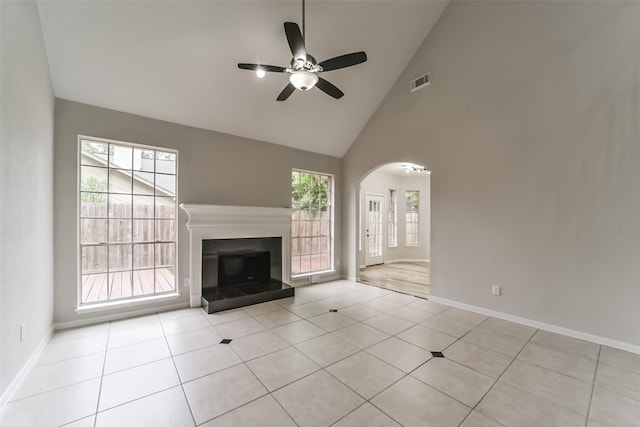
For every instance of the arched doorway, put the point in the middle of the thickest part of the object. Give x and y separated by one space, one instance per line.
394 235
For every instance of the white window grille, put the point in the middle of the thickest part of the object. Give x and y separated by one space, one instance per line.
412 220
127 220
392 220
311 223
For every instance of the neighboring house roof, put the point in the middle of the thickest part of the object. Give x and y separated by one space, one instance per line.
165 172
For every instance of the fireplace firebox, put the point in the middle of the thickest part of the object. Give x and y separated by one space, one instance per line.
243 268
240 272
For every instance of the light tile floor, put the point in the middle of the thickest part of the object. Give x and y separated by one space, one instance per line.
292 362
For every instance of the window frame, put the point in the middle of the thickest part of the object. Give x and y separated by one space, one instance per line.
392 219
132 299
331 210
407 234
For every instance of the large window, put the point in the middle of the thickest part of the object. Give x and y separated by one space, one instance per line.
392 220
127 226
412 222
311 223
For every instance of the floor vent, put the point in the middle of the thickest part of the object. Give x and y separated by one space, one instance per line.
420 82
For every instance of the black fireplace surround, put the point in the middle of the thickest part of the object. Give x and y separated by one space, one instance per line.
241 272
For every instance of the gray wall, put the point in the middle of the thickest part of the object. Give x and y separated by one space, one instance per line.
531 129
379 182
214 168
26 189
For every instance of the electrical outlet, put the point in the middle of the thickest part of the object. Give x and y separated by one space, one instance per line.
187 282
496 290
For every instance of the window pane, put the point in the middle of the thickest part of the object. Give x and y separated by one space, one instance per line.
143 256
165 280
165 230
143 183
119 230
94 259
144 282
93 179
143 230
165 254
143 160
143 206
165 207
165 185
119 257
120 285
93 153
93 231
120 181
165 162
121 157
119 206
94 286
93 205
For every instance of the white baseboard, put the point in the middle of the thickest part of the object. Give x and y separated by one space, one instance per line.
17 380
351 278
391 261
540 325
323 277
119 316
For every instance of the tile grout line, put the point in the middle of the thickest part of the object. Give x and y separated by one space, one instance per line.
104 364
499 377
184 393
593 386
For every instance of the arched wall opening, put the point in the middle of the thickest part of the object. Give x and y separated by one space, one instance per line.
393 218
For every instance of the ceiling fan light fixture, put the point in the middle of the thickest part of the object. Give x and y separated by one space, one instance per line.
303 80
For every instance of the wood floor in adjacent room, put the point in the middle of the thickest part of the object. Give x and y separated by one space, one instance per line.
407 277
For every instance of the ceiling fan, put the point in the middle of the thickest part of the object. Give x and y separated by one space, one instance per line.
303 69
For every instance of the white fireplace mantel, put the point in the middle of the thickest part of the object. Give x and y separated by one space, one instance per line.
233 222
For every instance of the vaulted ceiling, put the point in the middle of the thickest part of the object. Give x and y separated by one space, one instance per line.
177 61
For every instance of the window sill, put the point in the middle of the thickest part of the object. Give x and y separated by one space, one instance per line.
313 273
130 303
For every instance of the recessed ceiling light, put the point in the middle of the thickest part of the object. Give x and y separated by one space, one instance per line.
260 73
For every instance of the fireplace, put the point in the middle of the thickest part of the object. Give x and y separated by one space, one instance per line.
241 269
238 255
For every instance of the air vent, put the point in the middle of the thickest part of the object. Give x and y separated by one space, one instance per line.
420 82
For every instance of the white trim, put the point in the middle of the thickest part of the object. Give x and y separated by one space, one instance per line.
124 303
22 373
406 260
540 325
233 222
332 219
80 306
351 278
119 316
325 276
312 273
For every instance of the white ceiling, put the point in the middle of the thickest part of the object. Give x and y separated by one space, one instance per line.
177 61
400 170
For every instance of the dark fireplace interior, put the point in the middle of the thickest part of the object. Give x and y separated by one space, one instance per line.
238 272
